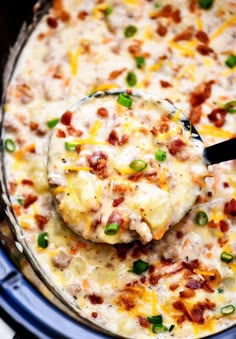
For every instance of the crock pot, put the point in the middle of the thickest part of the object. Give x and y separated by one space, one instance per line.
21 304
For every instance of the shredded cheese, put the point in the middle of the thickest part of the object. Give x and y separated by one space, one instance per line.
214 131
73 60
223 27
95 128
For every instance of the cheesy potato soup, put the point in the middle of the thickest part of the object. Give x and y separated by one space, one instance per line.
93 187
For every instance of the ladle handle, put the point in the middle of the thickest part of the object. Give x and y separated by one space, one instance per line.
220 152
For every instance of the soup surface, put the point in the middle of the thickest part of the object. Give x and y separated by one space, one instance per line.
181 286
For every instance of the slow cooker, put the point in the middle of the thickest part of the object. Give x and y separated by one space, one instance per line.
24 307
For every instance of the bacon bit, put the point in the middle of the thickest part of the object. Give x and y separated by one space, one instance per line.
52 22
41 221
179 234
213 280
195 114
82 15
204 49
151 269
66 118
113 137
166 11
117 202
136 176
161 29
225 184
64 16
187 293
135 49
27 182
152 177
176 146
154 131
143 322
186 35
202 36
17 210
29 200
217 116
116 73
61 133
33 125
201 93
192 5
230 208
115 217
102 112
94 315
123 140
73 131
136 252
224 227
98 161
173 286
197 314
78 149
212 224
154 278
176 16
12 187
122 250
165 84
41 36
194 284
95 299
191 265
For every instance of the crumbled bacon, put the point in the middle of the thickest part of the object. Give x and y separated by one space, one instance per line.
173 286
95 299
187 293
202 36
135 49
41 221
29 200
194 284
118 201
224 227
204 49
136 176
27 182
115 217
33 125
61 260
82 15
230 208
94 315
143 322
165 84
154 278
191 265
122 250
113 137
116 73
217 116
201 93
192 5
176 146
123 140
98 161
195 114
161 29
66 118
64 16
166 11
73 131
176 16
52 22
61 133
212 224
102 112
187 34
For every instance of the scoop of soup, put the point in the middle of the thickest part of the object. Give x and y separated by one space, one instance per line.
124 167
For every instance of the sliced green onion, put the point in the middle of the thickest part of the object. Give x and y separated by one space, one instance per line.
130 31
140 61
43 240
70 146
131 79
226 257
230 106
159 328
155 319
140 266
227 310
112 229
157 5
171 328
107 11
160 155
124 100
52 123
138 165
220 290
201 218
205 4
231 61
9 145
20 200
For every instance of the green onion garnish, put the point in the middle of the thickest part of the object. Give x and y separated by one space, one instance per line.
70 146
155 319
124 100
231 61
52 123
171 328
43 240
160 155
226 257
159 328
131 79
230 106
201 218
140 266
20 200
138 165
220 290
205 4
140 61
9 145
229 309
107 11
112 229
130 31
